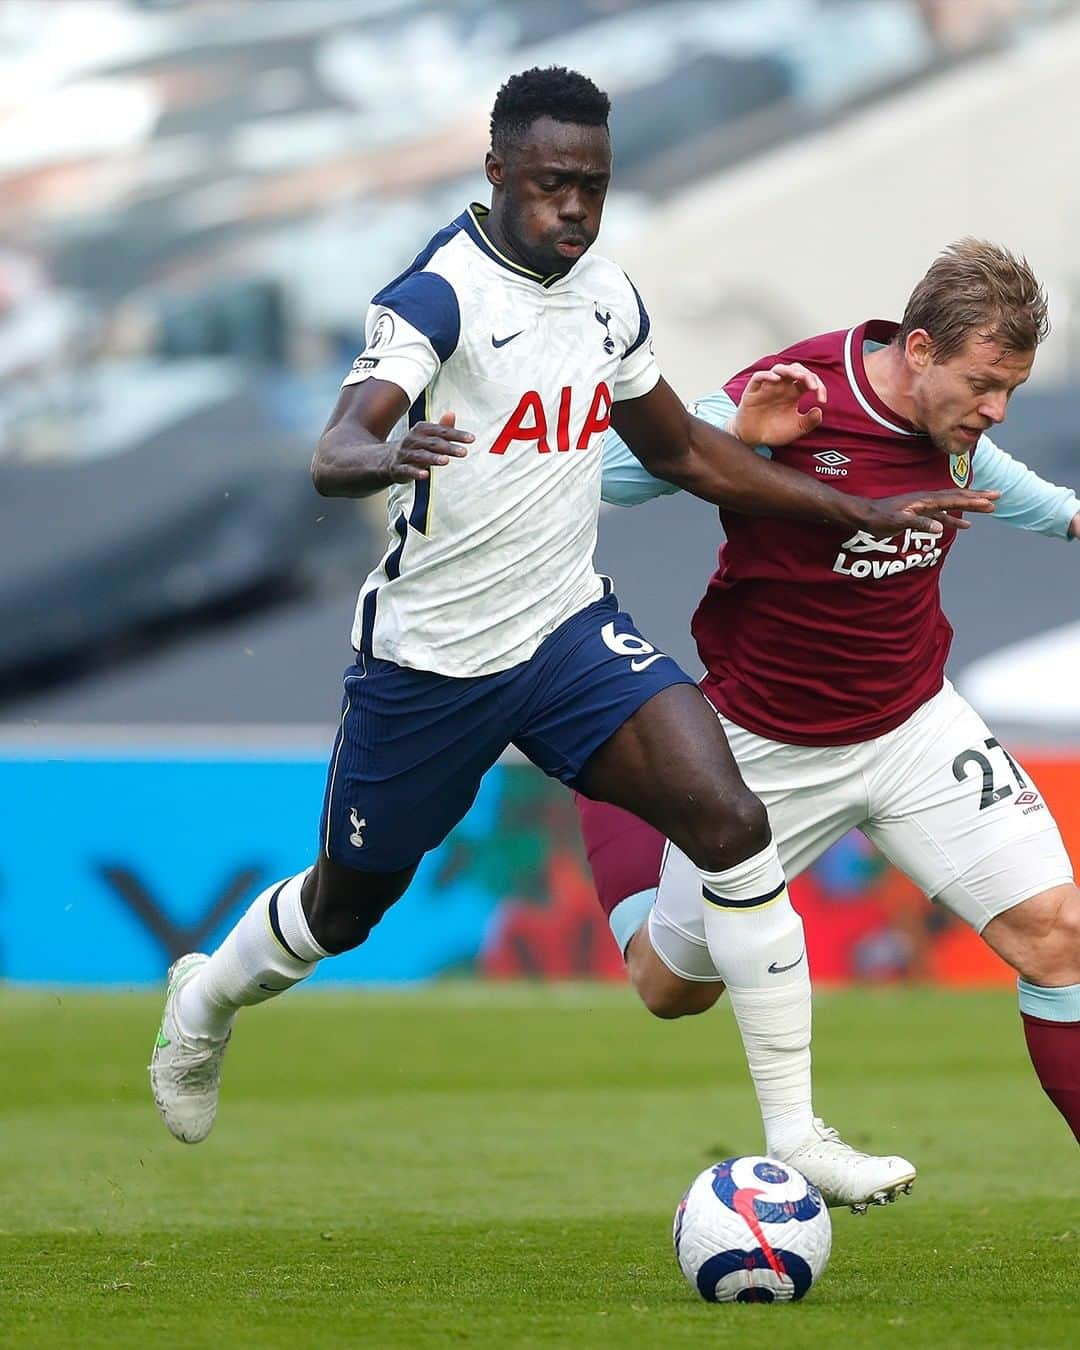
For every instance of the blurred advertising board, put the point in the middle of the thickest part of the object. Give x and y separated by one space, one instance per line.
112 864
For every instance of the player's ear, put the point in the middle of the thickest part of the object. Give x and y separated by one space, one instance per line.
919 348
494 169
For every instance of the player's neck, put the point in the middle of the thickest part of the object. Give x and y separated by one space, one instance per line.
491 225
891 381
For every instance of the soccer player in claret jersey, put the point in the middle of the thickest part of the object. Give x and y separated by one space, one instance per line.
510 348
825 653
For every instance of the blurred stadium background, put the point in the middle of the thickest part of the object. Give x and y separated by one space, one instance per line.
197 200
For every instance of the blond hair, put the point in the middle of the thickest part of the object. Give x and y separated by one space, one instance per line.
977 287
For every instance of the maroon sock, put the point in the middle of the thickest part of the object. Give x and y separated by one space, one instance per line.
1054 1048
624 853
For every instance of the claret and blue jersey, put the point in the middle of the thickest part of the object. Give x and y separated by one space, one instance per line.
813 636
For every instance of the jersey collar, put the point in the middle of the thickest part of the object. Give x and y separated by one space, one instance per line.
471 222
873 330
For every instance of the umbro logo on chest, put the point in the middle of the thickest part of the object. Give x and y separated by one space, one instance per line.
831 462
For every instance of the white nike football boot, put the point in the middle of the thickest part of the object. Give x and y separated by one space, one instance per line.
844 1176
185 1074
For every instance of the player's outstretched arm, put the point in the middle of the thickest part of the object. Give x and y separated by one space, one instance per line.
1027 502
354 458
711 464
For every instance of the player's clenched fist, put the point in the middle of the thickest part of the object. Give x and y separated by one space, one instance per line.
426 446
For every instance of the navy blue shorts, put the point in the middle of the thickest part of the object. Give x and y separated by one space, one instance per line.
413 746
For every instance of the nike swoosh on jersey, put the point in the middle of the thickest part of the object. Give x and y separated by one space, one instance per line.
501 342
774 969
640 664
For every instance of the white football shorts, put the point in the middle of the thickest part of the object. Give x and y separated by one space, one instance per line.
938 796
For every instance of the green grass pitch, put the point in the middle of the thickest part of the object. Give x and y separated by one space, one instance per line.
498 1166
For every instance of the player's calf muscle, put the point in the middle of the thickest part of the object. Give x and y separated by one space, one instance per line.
1040 937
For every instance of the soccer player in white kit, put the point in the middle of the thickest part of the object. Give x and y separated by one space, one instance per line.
485 623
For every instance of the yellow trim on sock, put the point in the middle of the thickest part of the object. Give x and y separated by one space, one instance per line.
748 909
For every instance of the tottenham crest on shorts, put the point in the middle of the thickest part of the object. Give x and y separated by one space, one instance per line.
960 468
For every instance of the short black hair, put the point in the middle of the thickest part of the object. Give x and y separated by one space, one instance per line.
551 91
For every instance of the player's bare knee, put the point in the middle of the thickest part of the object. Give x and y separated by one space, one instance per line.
669 996
342 905
336 926
751 824
665 994
729 833
687 1000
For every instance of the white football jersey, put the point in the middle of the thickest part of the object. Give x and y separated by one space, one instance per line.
492 552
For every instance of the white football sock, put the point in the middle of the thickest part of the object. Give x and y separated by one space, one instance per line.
269 950
757 943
